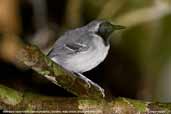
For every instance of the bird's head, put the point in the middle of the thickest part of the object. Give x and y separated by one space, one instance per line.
103 29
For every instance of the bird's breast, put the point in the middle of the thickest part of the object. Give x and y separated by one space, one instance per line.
87 60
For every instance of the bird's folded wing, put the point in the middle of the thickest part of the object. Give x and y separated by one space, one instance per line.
65 47
68 49
76 47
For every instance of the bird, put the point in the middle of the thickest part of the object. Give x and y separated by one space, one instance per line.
81 49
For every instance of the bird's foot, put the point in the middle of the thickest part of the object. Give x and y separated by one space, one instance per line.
89 82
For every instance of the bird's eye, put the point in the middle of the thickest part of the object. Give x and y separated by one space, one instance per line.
105 29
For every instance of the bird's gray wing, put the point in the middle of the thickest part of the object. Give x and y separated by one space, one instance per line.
65 47
68 49
76 47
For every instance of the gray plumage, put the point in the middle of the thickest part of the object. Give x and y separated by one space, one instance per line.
81 49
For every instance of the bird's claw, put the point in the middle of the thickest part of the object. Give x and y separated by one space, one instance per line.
88 83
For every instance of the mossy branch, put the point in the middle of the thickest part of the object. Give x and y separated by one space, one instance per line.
32 57
13 100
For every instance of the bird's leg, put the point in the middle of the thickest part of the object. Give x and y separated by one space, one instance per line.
84 78
89 82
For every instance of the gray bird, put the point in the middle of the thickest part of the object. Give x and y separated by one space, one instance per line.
82 49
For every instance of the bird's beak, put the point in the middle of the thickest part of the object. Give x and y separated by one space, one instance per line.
118 27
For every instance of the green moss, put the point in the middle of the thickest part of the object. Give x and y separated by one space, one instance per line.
84 104
88 101
139 105
44 72
57 70
47 60
166 107
10 96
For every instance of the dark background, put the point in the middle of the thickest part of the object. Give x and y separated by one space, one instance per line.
137 66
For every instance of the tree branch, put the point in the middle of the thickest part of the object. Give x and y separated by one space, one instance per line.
13 100
32 57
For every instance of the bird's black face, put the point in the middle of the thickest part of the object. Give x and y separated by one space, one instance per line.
105 30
